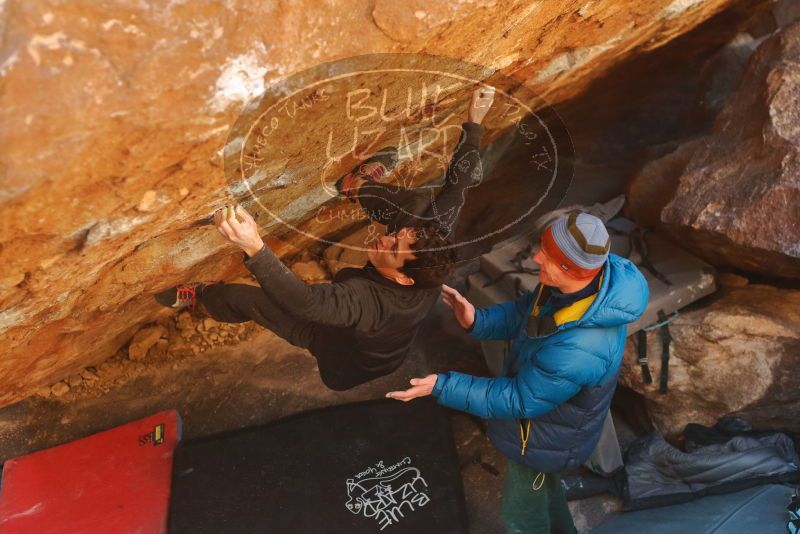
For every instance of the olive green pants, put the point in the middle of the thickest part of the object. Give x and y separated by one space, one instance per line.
534 502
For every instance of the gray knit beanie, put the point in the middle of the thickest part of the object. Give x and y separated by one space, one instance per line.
581 238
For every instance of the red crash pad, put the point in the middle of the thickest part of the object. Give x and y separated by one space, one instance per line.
115 481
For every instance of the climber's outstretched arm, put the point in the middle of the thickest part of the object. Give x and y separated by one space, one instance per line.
396 206
336 304
465 167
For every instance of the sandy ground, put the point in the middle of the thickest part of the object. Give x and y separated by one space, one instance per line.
260 379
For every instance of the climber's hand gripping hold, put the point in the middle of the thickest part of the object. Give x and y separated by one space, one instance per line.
239 227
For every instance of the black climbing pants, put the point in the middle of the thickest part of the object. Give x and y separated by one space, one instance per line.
238 303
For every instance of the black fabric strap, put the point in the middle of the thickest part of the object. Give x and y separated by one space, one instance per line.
666 339
641 349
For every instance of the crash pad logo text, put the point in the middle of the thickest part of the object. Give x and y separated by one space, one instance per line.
387 493
156 436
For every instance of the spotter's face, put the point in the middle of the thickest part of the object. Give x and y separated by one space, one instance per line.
550 272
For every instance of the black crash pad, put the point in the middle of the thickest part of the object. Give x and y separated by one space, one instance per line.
380 466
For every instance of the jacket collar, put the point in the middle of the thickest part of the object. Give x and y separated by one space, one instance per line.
567 314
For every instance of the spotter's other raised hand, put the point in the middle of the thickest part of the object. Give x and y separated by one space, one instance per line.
420 387
463 310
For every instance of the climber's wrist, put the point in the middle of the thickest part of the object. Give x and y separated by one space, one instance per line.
254 248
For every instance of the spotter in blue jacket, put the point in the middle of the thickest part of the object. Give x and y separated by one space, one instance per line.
556 388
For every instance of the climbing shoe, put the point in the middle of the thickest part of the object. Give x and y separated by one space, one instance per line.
373 169
182 296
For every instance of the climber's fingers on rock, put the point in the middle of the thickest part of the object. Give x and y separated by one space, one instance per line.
247 222
219 218
229 214
228 219
222 215
483 97
226 229
234 223
245 216
219 221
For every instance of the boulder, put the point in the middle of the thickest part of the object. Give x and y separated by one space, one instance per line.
184 321
144 340
89 375
731 280
113 112
786 12
209 323
74 381
737 355
721 74
733 196
59 389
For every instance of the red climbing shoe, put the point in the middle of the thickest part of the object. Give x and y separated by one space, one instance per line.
182 296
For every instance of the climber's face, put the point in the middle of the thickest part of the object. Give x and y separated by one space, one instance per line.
390 252
550 273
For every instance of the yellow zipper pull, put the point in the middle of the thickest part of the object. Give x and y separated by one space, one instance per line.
524 434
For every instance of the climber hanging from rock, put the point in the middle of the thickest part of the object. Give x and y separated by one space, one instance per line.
360 326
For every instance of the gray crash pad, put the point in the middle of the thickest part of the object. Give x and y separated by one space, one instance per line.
761 510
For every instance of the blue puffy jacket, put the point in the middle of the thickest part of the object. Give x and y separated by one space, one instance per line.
562 382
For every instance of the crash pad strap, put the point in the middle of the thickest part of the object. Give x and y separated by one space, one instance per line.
641 350
666 339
